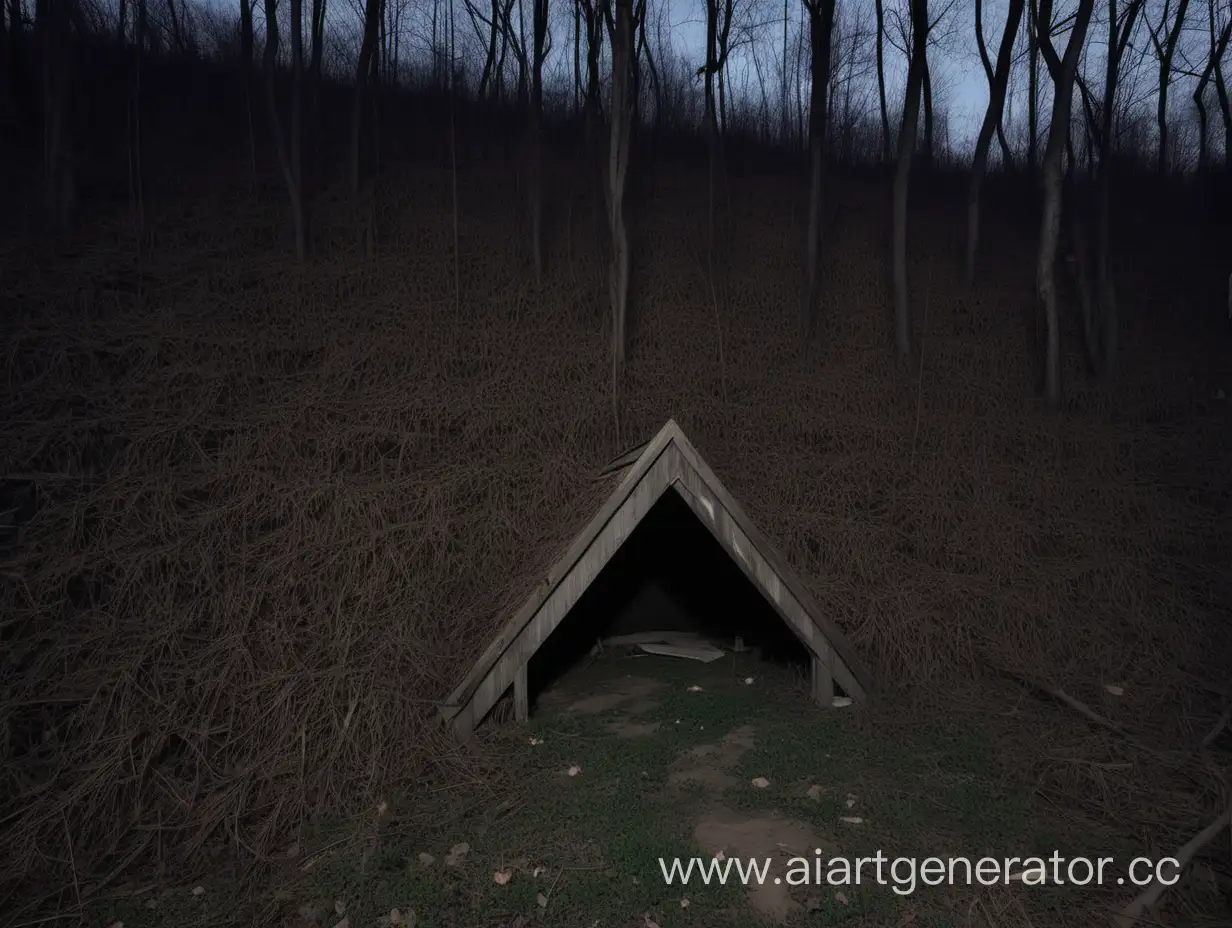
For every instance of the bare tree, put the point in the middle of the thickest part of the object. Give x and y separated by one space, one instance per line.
902 173
53 24
367 48
542 38
620 28
881 93
998 81
1058 134
821 30
1007 157
1164 41
1218 47
246 52
1032 86
289 156
1100 322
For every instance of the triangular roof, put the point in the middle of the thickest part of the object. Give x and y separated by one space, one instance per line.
668 461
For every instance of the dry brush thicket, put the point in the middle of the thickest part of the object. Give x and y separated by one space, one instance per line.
280 507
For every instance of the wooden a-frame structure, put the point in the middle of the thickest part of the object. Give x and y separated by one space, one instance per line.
668 462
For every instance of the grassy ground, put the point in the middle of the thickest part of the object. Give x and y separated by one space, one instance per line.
660 771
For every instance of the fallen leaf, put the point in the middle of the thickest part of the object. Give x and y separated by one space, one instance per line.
695 688
426 859
748 681
841 897
339 907
814 792
841 702
761 782
1114 689
684 903
536 741
851 800
574 770
382 808
648 922
198 891
456 854
720 856
537 871
542 900
851 819
501 877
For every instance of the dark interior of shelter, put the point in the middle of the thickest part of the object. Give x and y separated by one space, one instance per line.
671 574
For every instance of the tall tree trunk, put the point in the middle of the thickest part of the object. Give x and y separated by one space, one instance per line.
1219 47
314 93
1033 86
372 21
821 31
542 46
1221 94
621 29
1050 226
1007 158
1165 50
902 174
997 84
246 52
926 89
881 93
286 157
712 119
53 23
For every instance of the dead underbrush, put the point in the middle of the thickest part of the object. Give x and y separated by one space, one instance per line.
275 512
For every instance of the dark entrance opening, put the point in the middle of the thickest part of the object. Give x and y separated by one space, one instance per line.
671 574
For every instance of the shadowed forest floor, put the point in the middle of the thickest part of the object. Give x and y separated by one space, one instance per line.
275 512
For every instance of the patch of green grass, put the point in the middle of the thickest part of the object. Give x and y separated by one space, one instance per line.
589 845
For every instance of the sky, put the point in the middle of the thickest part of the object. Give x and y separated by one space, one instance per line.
960 87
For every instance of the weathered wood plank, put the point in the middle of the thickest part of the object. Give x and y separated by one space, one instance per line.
514 627
860 678
521 695
573 584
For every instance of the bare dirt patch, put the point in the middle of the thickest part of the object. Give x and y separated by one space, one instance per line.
708 764
760 836
633 691
629 728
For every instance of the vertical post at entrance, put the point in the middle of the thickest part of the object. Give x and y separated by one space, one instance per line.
823 677
521 695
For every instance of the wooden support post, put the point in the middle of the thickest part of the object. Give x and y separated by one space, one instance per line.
521 695
823 677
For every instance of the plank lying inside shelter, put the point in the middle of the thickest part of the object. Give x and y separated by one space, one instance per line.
694 652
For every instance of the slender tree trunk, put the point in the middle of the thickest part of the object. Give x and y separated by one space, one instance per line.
997 85
53 23
1218 48
372 21
1007 158
539 28
621 28
821 31
314 93
881 92
286 159
246 52
1166 50
926 87
902 174
1050 226
1033 86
